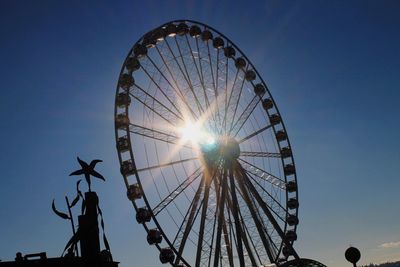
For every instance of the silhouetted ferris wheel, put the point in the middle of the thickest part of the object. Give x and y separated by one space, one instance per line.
204 152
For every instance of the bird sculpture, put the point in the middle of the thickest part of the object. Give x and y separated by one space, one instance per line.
88 170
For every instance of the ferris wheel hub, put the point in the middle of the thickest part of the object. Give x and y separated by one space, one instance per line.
225 148
229 149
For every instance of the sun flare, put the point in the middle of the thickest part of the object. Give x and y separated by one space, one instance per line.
195 133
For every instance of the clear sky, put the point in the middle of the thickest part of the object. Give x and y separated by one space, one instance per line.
333 68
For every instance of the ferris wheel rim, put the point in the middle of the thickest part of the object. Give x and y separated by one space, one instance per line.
128 135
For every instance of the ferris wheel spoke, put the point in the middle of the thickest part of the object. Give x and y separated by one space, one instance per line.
266 210
254 133
156 135
271 197
176 88
177 191
249 240
215 102
264 175
257 221
158 86
209 107
197 69
187 223
167 164
176 61
155 105
208 112
226 92
234 97
202 75
162 73
262 188
187 78
228 100
216 94
220 86
235 129
259 154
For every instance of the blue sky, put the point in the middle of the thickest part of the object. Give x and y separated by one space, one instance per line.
332 67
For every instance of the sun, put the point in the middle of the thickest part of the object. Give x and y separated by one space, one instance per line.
195 133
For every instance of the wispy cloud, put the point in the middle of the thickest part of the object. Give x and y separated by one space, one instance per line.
390 245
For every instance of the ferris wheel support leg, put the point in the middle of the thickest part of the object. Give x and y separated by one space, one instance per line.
248 241
189 222
266 210
220 208
208 178
242 230
224 228
228 244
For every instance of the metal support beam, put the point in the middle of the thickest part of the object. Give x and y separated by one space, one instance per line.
208 179
190 220
221 219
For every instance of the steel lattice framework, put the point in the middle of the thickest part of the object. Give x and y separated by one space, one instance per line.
231 200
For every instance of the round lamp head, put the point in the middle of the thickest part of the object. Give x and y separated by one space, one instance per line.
352 255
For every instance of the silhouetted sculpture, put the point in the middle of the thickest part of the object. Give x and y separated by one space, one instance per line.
87 234
352 255
87 170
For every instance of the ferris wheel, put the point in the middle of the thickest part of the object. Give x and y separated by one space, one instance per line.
204 152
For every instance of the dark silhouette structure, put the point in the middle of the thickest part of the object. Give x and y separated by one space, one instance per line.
387 264
352 255
302 263
87 233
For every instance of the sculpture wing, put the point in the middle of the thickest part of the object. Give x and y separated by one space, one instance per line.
78 172
97 175
94 162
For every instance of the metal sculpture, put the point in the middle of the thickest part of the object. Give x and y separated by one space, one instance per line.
73 249
88 170
88 231
204 152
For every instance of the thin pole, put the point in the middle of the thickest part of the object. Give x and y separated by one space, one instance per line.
72 224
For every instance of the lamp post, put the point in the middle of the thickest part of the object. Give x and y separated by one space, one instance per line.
352 255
